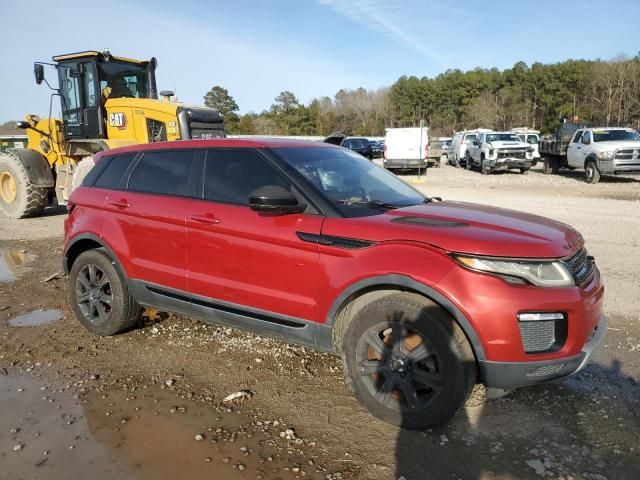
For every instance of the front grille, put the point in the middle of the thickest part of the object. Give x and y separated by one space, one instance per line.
628 157
582 267
545 371
203 130
538 336
520 154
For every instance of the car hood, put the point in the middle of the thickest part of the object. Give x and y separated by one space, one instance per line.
465 228
616 144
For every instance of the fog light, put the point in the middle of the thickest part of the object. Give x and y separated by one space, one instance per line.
539 317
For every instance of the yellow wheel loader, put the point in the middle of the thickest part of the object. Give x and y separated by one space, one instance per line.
106 102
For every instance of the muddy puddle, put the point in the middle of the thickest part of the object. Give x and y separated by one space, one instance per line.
147 434
14 263
35 318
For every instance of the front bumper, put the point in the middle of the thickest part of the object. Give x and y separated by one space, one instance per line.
510 375
508 163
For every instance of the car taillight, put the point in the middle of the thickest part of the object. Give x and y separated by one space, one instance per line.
384 151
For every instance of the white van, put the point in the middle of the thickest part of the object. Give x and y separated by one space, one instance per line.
530 136
406 148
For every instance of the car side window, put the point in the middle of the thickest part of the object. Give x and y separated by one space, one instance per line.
232 175
347 144
112 175
586 138
578 135
481 139
165 172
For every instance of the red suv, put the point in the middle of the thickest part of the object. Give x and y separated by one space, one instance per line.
315 244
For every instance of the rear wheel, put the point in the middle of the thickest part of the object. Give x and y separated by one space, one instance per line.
407 361
546 166
18 196
100 296
467 161
591 172
524 170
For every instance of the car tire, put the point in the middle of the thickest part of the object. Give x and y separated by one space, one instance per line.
456 162
467 161
19 197
525 170
433 350
100 296
546 166
484 168
591 171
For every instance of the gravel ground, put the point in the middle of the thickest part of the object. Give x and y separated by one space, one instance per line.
150 403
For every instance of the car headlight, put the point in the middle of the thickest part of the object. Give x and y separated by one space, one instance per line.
542 274
607 155
491 152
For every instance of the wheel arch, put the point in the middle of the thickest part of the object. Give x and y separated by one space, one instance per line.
591 158
349 302
83 243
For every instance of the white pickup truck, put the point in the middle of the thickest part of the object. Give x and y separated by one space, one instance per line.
599 151
494 151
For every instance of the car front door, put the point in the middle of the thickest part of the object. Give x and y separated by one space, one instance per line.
145 219
244 258
574 150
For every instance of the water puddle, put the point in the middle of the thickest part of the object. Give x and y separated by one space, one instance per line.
35 318
148 433
14 263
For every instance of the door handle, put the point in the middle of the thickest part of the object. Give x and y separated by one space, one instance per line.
208 219
122 203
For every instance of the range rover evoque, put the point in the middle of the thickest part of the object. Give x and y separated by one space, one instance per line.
313 243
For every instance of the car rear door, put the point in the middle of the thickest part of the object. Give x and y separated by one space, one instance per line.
145 219
246 259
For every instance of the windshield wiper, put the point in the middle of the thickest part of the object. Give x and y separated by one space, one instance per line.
431 199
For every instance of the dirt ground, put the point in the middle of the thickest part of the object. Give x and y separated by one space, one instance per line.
149 404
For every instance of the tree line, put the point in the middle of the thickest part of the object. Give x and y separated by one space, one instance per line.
606 93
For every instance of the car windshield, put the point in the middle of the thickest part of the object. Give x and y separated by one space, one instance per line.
123 79
502 137
351 182
615 135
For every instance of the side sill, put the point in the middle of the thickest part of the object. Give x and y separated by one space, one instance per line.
219 312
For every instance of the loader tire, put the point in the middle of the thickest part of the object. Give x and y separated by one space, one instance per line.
82 169
19 198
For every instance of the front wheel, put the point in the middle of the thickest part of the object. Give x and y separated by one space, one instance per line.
100 296
467 161
525 170
407 361
83 167
484 168
591 172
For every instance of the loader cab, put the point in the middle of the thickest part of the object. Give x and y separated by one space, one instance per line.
88 79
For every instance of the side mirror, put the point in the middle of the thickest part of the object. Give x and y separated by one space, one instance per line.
274 199
22 124
38 71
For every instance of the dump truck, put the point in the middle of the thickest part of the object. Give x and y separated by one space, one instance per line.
106 102
598 151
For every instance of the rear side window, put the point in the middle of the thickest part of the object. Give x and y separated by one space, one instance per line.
164 173
232 175
112 174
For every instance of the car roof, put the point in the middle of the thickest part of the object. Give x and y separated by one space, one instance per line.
219 143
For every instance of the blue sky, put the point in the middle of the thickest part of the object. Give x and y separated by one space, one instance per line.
258 48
